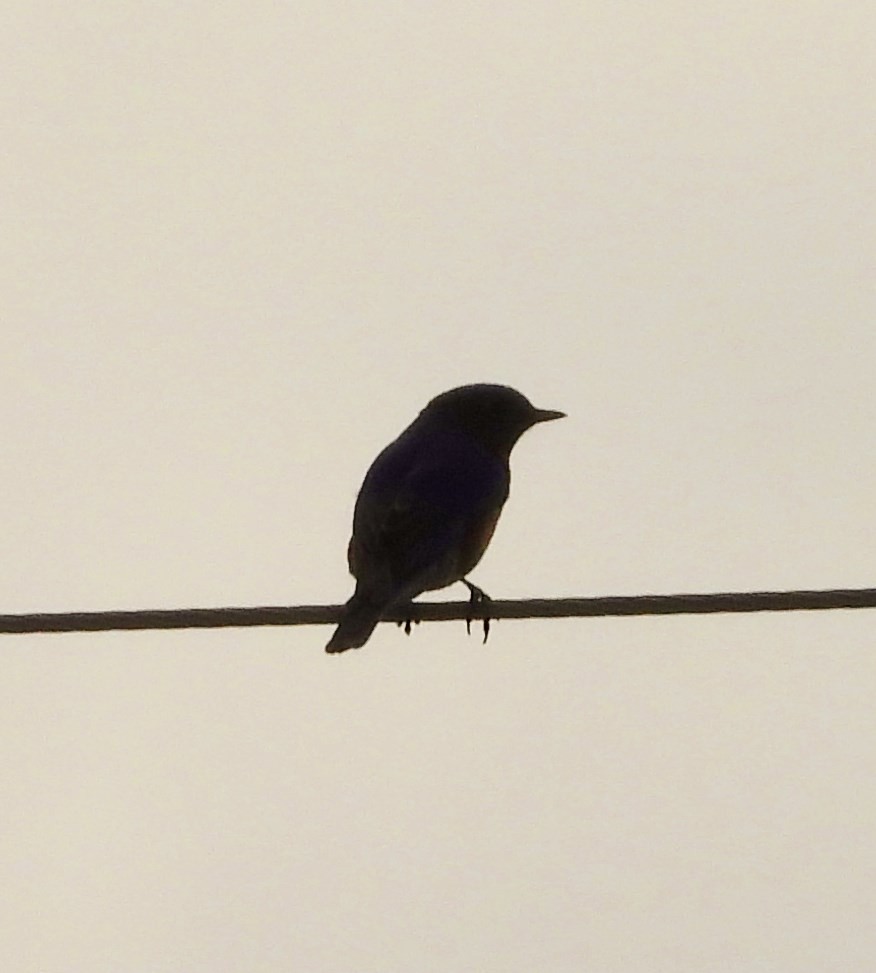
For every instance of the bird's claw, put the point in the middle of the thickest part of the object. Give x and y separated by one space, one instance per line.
478 597
407 624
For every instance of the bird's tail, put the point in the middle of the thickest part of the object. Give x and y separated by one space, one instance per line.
360 618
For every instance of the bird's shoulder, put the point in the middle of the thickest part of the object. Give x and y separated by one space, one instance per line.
435 465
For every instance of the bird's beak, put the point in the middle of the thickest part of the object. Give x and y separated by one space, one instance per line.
545 415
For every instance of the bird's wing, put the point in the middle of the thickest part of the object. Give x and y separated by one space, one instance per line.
402 531
413 530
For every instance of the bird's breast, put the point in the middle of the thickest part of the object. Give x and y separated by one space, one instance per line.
478 540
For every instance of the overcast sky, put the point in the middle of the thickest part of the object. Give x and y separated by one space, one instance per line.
243 244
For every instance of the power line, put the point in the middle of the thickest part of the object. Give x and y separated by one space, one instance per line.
689 604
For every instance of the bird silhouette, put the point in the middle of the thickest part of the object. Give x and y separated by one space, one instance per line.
430 502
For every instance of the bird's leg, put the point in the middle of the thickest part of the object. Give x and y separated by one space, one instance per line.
477 597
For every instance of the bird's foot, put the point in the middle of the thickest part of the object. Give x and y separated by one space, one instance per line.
408 622
478 597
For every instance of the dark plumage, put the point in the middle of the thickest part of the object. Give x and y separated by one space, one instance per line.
430 502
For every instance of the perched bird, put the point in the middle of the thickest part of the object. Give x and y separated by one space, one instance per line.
430 502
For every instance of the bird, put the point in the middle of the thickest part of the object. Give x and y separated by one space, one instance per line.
430 501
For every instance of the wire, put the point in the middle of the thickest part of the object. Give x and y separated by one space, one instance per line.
748 601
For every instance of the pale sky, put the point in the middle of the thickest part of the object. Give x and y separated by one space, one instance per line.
243 244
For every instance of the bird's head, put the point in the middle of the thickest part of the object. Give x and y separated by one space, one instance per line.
495 415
